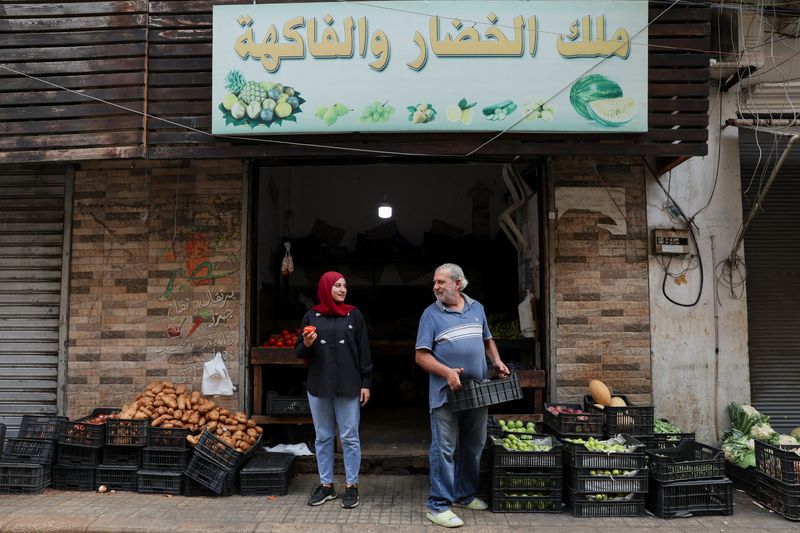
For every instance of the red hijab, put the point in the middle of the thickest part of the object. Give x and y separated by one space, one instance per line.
326 305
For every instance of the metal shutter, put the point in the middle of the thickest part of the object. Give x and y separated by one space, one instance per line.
31 240
772 257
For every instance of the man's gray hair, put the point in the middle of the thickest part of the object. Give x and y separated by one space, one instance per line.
456 273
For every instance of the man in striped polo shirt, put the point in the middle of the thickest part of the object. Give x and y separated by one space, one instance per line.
454 343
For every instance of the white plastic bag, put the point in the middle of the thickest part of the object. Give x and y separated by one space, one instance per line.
216 380
526 323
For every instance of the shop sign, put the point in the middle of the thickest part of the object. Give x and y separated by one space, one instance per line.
425 66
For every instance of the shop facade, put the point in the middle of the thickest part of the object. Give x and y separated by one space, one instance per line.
158 231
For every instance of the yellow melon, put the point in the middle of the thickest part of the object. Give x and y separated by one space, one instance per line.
616 401
599 392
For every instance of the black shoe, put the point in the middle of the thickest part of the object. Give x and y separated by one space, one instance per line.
322 494
350 498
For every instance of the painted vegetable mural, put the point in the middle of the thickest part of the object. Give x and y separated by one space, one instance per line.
258 103
600 99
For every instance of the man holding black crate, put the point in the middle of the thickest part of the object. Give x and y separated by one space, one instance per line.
454 343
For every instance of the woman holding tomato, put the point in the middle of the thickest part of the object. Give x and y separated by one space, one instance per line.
335 348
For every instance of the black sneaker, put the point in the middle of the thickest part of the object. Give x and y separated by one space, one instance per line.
322 494
350 498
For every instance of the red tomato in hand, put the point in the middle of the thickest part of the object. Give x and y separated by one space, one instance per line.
309 329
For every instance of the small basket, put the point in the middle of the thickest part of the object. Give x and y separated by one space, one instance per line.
474 394
81 433
165 459
24 478
577 456
116 477
584 505
513 501
267 473
287 405
126 432
159 482
779 462
215 449
586 424
158 437
66 478
552 458
632 419
40 427
684 498
582 481
41 452
780 497
689 460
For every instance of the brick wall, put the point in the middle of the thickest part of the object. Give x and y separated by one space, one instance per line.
155 270
601 285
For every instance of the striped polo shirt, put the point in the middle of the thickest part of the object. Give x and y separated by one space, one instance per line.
455 340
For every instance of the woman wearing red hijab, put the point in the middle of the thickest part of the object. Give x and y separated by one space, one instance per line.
335 348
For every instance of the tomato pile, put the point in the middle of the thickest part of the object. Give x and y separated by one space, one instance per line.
284 339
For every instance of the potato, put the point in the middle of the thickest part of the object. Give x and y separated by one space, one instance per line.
158 388
252 432
259 429
170 401
181 403
177 414
251 423
225 412
180 389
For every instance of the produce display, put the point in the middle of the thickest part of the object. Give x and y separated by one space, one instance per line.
748 425
517 426
614 472
607 446
173 406
600 99
503 327
527 505
663 426
524 443
603 497
284 339
558 409
258 103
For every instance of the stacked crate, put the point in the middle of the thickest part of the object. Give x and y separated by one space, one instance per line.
633 420
122 454
28 458
566 425
601 483
164 460
664 440
779 486
688 479
266 474
215 465
80 448
527 481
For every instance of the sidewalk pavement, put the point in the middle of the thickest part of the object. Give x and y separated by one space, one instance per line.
388 503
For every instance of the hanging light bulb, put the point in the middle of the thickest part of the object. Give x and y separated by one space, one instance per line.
384 208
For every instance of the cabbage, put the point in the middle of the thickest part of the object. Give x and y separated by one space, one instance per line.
744 417
763 432
738 449
786 439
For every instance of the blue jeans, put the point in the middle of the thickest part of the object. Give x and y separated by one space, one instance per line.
327 413
455 481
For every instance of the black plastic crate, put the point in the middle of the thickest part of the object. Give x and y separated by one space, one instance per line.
40 427
194 488
159 482
69 478
158 437
516 479
632 419
780 497
663 440
2 439
578 456
228 458
165 459
126 432
779 462
588 506
122 455
745 479
586 424
81 432
493 426
208 472
79 456
552 458
267 473
41 452
475 393
24 478
683 498
520 501
117 477
689 460
585 480
286 405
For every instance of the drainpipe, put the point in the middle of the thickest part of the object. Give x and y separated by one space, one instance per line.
744 123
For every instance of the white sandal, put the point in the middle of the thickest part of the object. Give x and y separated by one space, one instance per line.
445 518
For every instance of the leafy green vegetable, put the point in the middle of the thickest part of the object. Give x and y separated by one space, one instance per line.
744 417
664 426
736 446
